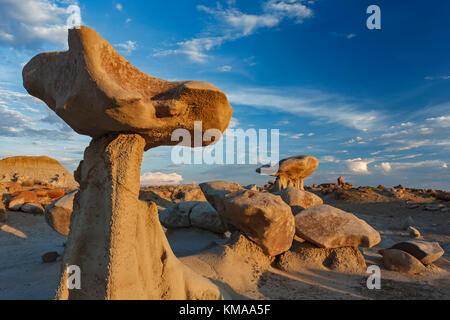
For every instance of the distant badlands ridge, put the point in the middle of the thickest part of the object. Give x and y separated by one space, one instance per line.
35 170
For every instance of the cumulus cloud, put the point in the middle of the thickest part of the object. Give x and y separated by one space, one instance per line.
119 7
159 178
358 166
29 23
386 167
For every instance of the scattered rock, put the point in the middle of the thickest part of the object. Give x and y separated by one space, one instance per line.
187 192
433 207
426 252
57 214
290 172
443 195
413 232
34 208
401 261
299 199
330 227
23 197
263 217
50 257
307 255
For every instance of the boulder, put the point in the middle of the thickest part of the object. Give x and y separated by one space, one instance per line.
204 216
34 208
299 200
177 215
21 198
263 217
57 214
401 261
290 172
426 252
187 192
100 92
215 192
307 255
330 227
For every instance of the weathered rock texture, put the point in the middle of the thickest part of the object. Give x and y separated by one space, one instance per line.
263 217
426 252
330 227
33 170
96 91
307 255
57 214
117 240
291 172
401 261
299 200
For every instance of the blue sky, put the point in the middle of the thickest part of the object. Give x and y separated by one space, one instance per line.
372 105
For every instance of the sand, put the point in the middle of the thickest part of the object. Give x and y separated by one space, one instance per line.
25 238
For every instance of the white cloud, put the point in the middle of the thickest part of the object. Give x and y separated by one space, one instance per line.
159 178
31 22
127 47
442 121
234 24
297 136
425 163
386 167
119 7
316 104
128 20
310 134
358 166
225 68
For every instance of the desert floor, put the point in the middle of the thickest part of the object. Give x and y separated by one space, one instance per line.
26 237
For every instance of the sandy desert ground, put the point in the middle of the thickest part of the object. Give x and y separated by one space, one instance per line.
249 274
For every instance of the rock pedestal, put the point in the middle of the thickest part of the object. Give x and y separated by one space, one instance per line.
117 240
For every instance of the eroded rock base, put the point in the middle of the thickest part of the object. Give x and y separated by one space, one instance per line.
117 240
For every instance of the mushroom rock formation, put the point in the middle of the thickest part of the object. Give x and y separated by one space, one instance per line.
116 240
291 172
96 91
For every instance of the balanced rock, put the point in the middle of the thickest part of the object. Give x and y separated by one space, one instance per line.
299 200
307 255
401 261
426 252
290 172
96 91
330 227
115 239
57 214
263 217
